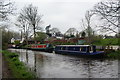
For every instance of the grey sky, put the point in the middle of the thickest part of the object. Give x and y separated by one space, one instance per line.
62 14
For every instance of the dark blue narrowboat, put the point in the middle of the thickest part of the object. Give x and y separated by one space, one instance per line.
77 50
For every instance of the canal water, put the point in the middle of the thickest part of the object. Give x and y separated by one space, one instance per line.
51 65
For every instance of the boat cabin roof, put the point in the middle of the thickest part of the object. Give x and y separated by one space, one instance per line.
74 45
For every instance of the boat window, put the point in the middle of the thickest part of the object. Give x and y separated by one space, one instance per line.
70 48
63 48
59 48
50 45
83 49
47 45
77 49
91 49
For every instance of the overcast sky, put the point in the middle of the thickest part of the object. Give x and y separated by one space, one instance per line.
62 14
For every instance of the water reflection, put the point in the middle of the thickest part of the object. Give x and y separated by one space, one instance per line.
49 65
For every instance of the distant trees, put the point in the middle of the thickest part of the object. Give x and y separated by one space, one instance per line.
6 8
48 30
55 32
109 12
7 36
41 36
52 32
117 35
71 32
83 34
29 14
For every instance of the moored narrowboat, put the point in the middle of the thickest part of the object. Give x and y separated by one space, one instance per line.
41 47
77 50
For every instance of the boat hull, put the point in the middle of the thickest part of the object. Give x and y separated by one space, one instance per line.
82 54
50 50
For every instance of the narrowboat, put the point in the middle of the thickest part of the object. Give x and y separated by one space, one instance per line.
14 46
78 50
41 47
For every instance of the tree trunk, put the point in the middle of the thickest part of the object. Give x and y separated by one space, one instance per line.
34 32
119 24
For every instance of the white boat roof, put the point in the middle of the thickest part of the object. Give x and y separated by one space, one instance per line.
74 45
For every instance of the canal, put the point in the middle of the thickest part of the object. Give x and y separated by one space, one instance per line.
51 65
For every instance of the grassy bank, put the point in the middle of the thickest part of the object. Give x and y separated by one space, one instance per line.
18 68
105 42
114 55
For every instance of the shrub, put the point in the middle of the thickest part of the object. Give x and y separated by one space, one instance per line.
114 55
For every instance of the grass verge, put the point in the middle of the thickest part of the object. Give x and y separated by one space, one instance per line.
18 68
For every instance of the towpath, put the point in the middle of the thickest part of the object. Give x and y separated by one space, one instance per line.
5 72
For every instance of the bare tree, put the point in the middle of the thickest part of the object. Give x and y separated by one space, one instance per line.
6 8
22 24
88 17
88 31
31 16
109 13
24 27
